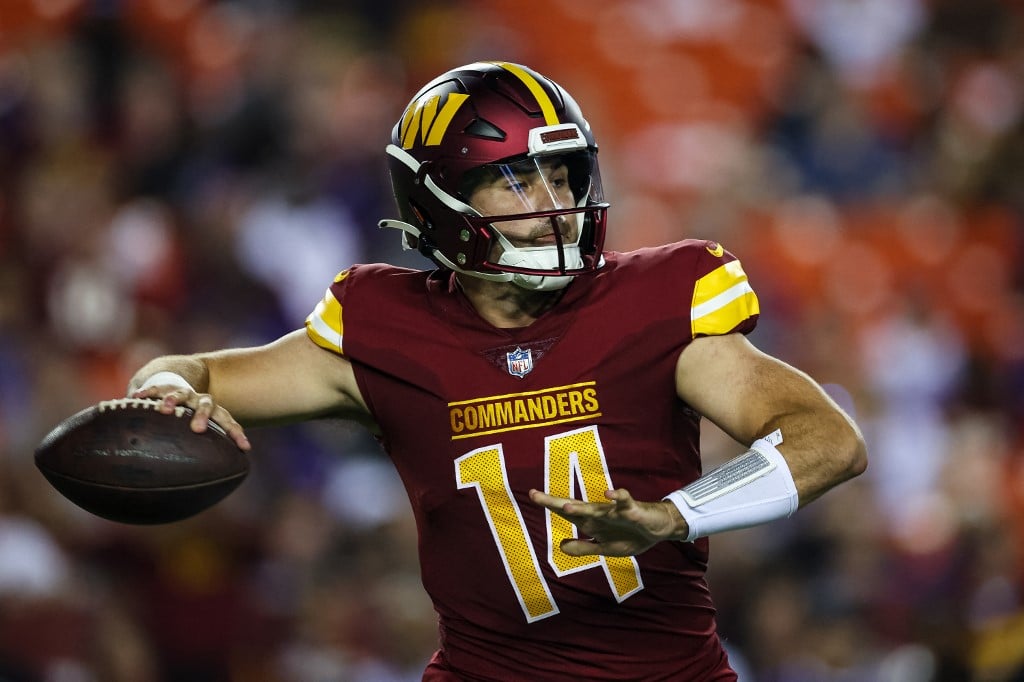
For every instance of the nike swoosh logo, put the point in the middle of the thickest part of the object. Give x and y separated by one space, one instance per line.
717 251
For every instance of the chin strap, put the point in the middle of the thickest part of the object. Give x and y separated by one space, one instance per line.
543 257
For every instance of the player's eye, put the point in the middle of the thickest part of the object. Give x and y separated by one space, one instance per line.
559 177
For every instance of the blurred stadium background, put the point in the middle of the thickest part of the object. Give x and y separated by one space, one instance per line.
180 175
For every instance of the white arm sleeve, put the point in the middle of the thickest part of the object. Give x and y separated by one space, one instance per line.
748 490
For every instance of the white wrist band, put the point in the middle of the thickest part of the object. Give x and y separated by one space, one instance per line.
746 491
166 379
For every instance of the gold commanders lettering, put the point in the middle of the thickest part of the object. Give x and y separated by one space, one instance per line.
495 414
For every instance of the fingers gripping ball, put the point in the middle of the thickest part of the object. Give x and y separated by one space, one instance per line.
125 461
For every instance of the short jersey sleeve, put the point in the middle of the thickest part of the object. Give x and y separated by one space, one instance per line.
325 325
723 300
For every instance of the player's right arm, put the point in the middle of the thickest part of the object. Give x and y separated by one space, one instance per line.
287 380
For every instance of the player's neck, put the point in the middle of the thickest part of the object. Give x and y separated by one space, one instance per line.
506 305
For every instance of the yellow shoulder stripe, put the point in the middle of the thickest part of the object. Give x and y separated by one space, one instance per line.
721 300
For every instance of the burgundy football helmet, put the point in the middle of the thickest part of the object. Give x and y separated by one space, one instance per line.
498 122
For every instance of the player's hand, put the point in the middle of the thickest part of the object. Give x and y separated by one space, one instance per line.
620 527
204 409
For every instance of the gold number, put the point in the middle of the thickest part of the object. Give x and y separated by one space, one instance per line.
575 466
484 469
577 456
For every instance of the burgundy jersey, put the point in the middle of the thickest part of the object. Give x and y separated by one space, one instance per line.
581 401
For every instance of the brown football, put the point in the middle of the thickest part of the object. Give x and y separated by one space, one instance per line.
125 461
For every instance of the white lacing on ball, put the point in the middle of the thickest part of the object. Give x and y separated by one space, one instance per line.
137 403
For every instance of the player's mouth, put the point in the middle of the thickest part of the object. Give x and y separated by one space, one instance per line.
546 236
545 239
540 238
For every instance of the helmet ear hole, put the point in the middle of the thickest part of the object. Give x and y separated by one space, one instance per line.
423 243
421 216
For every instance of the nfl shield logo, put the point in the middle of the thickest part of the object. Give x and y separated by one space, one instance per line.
520 362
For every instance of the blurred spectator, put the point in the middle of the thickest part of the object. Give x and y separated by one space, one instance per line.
293 245
860 38
913 362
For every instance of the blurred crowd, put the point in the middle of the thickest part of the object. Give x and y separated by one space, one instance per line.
183 175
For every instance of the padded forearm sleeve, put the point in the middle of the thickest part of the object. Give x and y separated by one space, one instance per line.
748 490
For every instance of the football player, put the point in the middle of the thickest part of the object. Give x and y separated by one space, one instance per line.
541 397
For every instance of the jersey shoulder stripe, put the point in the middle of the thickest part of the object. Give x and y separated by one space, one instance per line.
722 299
324 325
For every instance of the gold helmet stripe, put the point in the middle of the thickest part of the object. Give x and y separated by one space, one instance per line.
547 107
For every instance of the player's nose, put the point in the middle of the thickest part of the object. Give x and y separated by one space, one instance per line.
543 199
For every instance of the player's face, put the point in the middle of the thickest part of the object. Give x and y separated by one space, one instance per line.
526 187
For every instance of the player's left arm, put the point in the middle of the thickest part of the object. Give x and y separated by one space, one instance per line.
749 395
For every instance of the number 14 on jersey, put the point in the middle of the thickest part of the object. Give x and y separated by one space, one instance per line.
574 467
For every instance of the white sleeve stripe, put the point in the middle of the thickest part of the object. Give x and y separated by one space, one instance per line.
721 300
324 330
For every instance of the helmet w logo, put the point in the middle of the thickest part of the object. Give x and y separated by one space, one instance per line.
423 119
